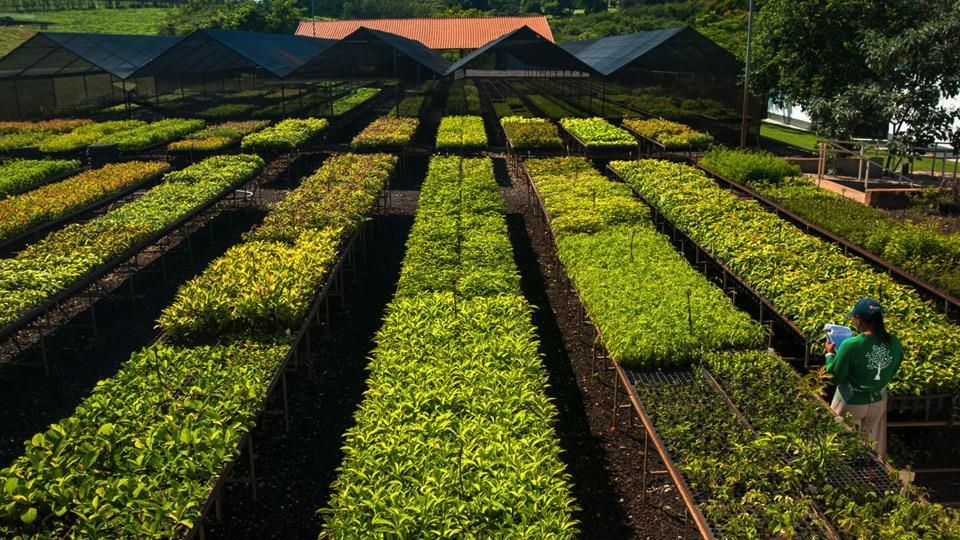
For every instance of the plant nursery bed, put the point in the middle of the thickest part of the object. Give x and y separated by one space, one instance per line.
125 322
606 464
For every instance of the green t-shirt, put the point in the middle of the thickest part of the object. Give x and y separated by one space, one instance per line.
863 366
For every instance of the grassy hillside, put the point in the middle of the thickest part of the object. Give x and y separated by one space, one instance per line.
108 21
11 37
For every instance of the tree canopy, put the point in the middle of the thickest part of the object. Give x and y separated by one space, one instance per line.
850 62
279 16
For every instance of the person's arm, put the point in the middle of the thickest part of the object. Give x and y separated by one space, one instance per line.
838 364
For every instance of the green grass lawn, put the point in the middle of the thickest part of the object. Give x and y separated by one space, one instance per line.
107 21
808 141
786 135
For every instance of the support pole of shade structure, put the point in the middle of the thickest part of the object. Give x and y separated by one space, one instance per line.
746 79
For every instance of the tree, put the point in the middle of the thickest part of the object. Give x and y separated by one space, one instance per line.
849 62
279 16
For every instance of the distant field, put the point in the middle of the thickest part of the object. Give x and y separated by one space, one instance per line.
11 37
107 21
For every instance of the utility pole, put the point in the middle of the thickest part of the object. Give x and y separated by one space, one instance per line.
746 79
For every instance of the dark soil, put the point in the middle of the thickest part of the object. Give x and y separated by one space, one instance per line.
606 465
31 401
295 469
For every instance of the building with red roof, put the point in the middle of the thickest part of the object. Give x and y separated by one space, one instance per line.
463 33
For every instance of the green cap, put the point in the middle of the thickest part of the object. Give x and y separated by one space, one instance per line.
866 307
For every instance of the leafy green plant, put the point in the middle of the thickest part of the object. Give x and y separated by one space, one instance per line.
153 134
919 248
458 132
23 174
387 131
48 266
748 166
510 106
53 201
807 279
347 103
339 195
56 125
784 409
651 307
553 108
266 285
597 133
15 135
86 135
463 98
139 454
524 133
217 137
254 288
742 484
227 110
286 136
672 135
412 106
455 416
440 256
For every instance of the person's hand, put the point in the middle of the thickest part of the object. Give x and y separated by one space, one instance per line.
831 347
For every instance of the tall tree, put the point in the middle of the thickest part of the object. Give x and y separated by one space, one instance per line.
848 62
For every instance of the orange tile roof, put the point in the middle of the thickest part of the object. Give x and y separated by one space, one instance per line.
435 33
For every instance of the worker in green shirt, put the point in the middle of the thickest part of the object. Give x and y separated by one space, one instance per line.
862 366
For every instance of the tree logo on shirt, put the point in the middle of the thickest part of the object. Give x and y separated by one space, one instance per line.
878 359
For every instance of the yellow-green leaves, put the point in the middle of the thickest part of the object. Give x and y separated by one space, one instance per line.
387 132
808 279
286 136
597 133
455 435
652 308
256 288
672 135
138 456
45 267
528 133
457 132
265 286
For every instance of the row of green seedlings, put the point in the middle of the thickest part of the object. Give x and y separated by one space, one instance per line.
599 134
654 311
411 106
525 133
808 279
45 268
317 102
386 132
463 98
461 133
57 200
139 457
669 135
455 434
576 100
128 135
918 247
216 137
20 175
284 136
